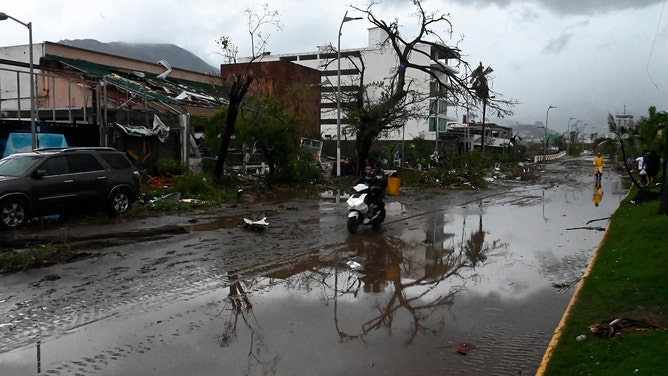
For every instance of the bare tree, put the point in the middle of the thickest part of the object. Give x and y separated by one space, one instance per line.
238 90
242 81
256 21
230 50
396 100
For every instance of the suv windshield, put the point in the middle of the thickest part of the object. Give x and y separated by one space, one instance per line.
116 160
17 165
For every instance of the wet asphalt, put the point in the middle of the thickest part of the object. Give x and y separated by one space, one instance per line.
490 272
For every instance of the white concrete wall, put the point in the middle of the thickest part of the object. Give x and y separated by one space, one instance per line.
380 62
15 81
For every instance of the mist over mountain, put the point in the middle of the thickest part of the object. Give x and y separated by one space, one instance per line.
150 52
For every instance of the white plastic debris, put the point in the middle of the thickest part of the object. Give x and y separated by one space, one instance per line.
261 224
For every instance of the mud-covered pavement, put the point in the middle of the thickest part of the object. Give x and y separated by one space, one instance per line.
486 273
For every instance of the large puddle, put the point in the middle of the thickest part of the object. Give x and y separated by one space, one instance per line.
491 275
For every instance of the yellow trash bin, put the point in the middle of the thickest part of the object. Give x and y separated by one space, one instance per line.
393 186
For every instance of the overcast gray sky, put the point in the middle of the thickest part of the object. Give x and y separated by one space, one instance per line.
587 57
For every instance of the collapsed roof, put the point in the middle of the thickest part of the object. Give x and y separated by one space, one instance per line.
131 88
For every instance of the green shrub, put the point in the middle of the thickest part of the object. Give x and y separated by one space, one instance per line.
170 167
300 171
195 186
34 257
169 206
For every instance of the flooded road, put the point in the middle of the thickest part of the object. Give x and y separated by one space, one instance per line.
457 283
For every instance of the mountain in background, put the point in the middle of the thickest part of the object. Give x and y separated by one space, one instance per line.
150 52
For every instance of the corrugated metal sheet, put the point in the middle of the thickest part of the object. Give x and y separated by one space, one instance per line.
147 86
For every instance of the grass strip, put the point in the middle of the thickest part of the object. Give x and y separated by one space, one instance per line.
627 280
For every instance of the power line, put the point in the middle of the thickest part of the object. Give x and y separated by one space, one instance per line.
653 44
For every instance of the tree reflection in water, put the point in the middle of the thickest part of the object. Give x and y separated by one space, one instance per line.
416 282
409 279
474 246
239 306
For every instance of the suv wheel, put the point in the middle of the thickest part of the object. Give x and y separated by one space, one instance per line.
119 202
13 212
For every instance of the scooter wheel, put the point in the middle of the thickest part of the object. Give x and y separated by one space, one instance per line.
352 225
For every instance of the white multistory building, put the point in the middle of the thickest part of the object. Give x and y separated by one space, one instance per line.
380 63
624 120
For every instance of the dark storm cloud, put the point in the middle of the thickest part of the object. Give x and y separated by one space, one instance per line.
575 7
569 7
557 44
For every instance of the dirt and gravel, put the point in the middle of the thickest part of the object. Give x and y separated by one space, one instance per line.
200 293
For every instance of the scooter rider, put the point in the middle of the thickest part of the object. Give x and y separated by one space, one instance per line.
375 179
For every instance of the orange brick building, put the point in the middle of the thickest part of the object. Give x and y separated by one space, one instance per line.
278 77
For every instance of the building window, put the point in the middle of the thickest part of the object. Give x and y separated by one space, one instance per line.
437 113
442 107
438 106
441 125
432 124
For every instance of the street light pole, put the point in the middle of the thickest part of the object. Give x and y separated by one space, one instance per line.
4 16
547 113
584 135
485 99
575 127
338 93
568 134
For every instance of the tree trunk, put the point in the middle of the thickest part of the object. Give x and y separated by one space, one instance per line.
663 198
362 148
628 169
663 192
237 94
482 139
230 122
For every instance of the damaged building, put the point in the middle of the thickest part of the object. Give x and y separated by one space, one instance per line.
87 98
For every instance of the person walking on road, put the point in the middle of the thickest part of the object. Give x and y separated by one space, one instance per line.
598 167
652 162
642 173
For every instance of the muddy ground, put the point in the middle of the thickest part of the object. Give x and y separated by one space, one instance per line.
461 282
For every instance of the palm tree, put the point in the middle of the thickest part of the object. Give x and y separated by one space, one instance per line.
479 84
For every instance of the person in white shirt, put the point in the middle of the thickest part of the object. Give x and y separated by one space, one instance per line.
641 169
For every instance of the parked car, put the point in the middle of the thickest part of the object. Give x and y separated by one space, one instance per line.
63 181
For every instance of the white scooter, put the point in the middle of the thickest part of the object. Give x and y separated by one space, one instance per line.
359 213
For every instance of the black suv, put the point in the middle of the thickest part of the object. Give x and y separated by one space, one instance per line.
65 180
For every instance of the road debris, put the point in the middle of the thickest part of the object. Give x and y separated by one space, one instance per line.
620 325
259 225
464 347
